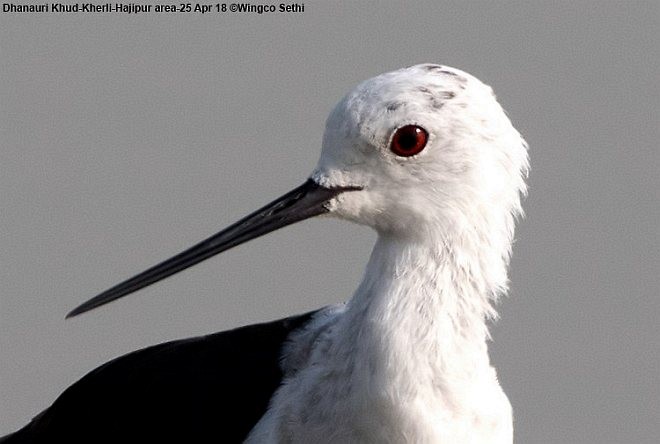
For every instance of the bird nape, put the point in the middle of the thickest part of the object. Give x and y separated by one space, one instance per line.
426 157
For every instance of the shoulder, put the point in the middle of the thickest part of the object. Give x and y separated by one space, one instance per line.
300 344
217 385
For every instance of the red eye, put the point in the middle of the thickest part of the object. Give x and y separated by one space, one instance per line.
409 140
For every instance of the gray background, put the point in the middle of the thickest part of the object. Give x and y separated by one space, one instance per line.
127 138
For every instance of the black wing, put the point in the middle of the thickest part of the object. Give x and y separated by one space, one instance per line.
208 389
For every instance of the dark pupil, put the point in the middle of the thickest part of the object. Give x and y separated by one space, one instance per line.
408 139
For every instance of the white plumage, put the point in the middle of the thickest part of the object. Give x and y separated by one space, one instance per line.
406 358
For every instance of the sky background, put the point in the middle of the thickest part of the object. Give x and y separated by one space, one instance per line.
126 138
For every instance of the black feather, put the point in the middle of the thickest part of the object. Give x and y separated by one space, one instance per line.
207 389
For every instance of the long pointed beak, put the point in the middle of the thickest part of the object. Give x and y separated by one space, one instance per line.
306 201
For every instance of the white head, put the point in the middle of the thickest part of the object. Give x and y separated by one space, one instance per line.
472 166
461 192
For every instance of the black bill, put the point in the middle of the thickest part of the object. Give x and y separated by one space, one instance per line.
306 201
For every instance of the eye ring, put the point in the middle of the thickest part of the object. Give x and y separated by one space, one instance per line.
409 140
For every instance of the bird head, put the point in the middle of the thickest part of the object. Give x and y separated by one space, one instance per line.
429 148
418 152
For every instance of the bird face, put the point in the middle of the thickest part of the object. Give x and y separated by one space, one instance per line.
415 151
427 145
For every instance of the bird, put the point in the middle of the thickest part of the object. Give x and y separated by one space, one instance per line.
425 156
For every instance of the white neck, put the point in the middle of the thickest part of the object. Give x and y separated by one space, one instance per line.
417 301
406 361
410 350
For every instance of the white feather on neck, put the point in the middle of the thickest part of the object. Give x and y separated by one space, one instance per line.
405 360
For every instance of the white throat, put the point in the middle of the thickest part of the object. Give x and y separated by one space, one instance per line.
416 302
405 360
